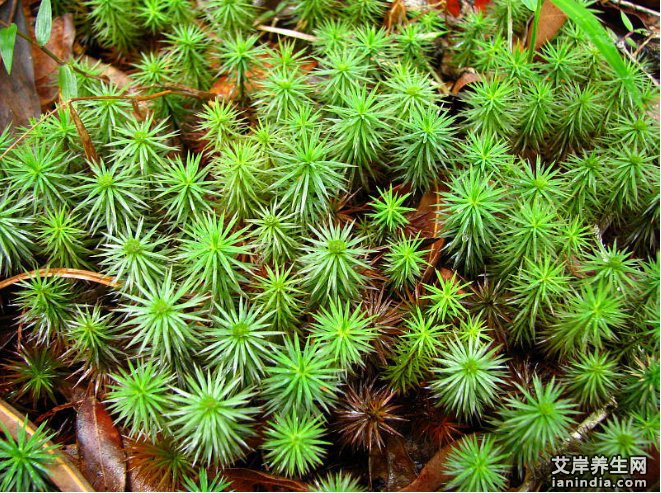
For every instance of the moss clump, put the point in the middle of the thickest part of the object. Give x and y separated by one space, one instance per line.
334 244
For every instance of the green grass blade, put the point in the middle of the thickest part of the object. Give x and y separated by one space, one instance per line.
589 23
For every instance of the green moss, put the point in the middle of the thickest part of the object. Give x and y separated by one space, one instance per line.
300 233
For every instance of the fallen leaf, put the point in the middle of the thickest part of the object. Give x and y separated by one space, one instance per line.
453 7
119 78
481 4
103 461
250 480
223 88
427 211
551 19
145 469
393 465
469 76
71 451
433 475
139 482
18 96
62 472
226 89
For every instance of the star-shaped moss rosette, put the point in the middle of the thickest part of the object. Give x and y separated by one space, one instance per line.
301 234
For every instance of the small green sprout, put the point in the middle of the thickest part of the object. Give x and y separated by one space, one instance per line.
389 212
25 461
294 443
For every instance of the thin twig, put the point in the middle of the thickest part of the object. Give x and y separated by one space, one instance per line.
288 32
82 275
577 436
181 90
27 132
649 38
632 6
19 331
56 410
127 97
12 11
145 97
589 424
637 62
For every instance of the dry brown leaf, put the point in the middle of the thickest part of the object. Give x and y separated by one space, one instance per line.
433 475
425 213
223 88
550 21
393 465
139 482
428 208
62 472
18 97
251 480
467 77
453 7
103 461
113 74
